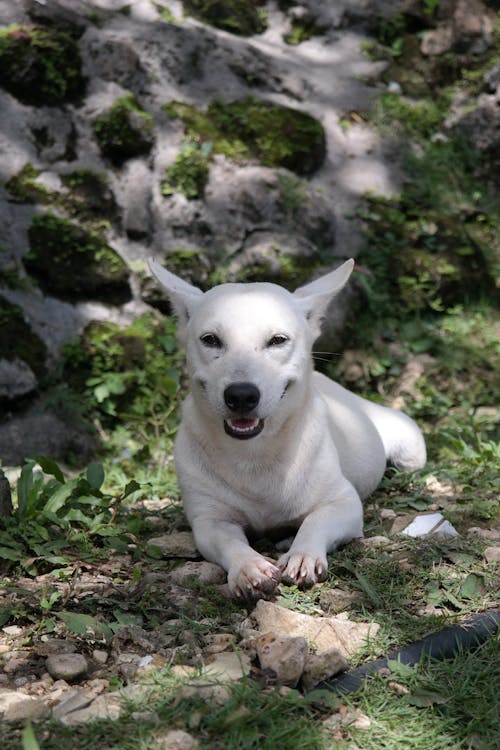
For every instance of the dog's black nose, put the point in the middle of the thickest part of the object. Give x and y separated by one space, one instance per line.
241 397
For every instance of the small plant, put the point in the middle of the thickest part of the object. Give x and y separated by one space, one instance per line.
302 30
189 173
54 514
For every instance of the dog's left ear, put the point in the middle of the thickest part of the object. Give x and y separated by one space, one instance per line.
315 297
183 296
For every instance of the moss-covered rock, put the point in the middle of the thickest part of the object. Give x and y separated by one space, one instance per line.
89 194
189 172
241 17
25 188
124 131
249 128
18 341
40 65
74 264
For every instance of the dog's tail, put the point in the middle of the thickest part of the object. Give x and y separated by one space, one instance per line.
403 442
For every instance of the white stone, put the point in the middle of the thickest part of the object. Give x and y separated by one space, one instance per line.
430 523
17 706
321 633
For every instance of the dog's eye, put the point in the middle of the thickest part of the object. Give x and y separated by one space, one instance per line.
277 340
211 340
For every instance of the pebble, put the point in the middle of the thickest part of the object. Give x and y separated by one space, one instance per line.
319 667
175 739
66 666
285 656
492 534
101 657
492 554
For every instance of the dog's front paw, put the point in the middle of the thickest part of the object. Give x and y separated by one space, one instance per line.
256 578
302 569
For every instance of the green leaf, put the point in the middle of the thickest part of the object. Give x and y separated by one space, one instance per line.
59 498
24 485
30 742
131 487
49 466
470 587
95 475
78 623
6 553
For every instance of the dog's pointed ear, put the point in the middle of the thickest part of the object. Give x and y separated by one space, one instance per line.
183 296
315 297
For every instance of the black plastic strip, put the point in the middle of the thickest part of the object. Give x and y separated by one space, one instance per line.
444 644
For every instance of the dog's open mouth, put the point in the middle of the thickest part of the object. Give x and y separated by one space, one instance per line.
242 428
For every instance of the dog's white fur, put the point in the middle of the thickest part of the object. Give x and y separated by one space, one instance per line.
321 449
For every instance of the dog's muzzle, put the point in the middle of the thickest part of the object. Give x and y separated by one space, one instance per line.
242 398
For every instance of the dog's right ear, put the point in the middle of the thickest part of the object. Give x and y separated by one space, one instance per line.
183 296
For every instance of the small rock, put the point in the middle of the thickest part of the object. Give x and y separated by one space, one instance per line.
101 657
336 600
492 554
66 666
13 630
176 544
374 541
227 666
17 706
387 514
218 695
218 642
284 656
54 646
73 700
398 688
319 667
107 706
175 739
206 572
492 534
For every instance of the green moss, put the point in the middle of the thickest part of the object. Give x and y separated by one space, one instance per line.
302 30
248 128
124 131
17 340
189 173
241 17
39 65
71 263
26 189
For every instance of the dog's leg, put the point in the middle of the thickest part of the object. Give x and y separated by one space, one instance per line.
322 531
249 574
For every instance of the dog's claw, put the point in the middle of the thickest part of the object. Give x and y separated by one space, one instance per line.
302 569
256 578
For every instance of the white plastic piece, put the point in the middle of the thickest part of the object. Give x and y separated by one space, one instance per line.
431 523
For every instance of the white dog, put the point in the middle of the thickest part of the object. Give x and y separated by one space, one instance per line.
265 442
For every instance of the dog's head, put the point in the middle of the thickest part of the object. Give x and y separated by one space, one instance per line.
249 346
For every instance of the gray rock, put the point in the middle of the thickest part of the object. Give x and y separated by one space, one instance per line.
67 667
492 554
17 706
35 434
206 572
285 656
176 544
16 379
319 667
